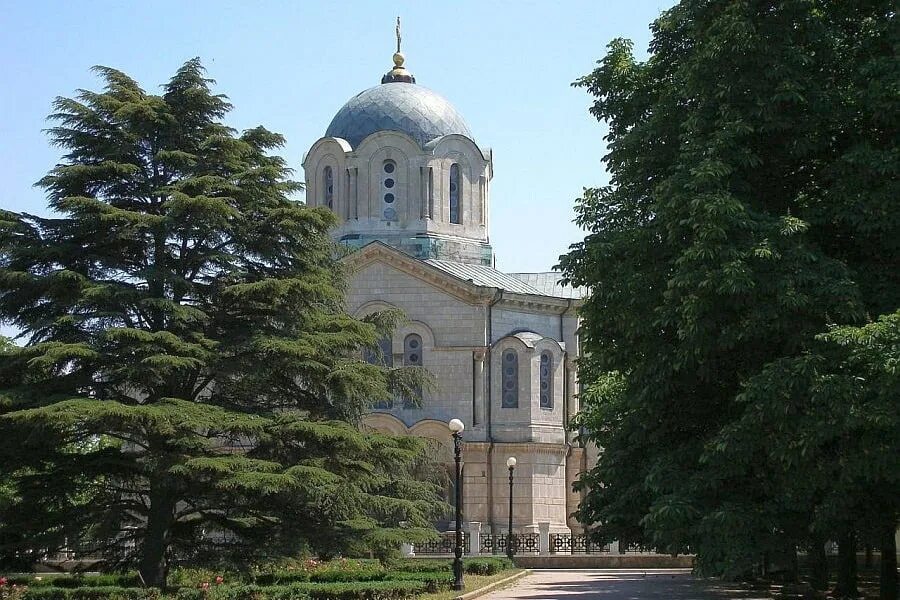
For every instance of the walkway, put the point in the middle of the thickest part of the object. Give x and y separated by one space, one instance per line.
595 584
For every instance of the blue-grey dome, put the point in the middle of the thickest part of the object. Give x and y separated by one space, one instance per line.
407 107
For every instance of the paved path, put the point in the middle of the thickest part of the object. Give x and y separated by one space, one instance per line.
596 584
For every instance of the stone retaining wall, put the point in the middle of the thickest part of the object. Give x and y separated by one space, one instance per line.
604 561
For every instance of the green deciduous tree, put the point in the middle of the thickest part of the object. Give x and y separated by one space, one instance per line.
754 175
190 380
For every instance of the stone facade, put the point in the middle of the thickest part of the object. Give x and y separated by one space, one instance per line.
413 202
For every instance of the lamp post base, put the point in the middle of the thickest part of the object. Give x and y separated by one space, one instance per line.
458 573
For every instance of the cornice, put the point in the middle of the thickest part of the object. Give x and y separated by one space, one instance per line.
460 288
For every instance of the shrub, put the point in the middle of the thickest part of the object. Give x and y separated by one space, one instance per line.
421 565
189 594
75 581
369 590
195 577
434 581
107 592
472 566
336 576
486 566
366 590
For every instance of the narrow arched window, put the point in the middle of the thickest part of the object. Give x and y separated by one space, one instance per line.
389 190
412 357
509 363
382 356
454 194
328 196
546 380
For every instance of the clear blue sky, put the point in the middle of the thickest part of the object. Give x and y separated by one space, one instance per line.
290 65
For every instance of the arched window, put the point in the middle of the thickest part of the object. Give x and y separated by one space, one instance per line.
454 194
509 363
412 357
383 356
388 190
328 196
546 380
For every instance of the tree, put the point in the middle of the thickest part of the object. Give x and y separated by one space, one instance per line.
190 381
753 168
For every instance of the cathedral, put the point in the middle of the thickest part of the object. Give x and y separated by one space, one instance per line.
411 186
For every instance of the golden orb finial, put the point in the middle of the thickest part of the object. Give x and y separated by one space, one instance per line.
399 72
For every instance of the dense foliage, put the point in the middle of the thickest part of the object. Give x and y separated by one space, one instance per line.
189 380
744 267
285 579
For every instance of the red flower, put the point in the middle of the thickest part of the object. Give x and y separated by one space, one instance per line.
2 581
219 580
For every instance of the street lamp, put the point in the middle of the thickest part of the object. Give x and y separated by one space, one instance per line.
511 463
456 427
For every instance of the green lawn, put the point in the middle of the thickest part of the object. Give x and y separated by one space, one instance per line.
472 582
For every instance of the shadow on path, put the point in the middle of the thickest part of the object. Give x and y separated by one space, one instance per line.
619 585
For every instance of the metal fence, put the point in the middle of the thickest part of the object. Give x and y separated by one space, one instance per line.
567 543
523 543
444 545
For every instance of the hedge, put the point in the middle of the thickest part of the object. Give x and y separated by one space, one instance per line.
366 590
106 592
472 566
321 576
77 581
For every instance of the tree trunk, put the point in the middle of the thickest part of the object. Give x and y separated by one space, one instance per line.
869 561
888 583
846 583
153 567
794 566
818 565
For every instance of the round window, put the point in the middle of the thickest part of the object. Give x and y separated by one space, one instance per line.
545 400
545 385
390 214
545 358
545 372
510 371
509 384
389 197
414 358
413 343
452 187
510 357
388 183
330 189
388 167
509 399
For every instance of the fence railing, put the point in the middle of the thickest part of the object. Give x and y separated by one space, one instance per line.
444 545
568 543
522 543
477 542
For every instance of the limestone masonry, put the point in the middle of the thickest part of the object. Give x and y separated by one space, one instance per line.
411 188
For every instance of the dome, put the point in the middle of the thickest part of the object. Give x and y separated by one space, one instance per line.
407 107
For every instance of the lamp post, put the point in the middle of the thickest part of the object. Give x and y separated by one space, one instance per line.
456 427
510 540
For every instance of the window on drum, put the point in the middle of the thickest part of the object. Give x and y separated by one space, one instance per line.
509 364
